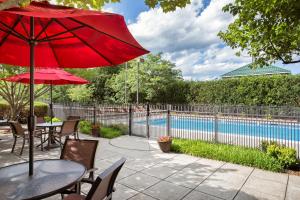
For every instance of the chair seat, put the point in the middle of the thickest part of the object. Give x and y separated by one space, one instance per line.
74 197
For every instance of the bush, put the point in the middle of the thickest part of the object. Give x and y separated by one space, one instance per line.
54 119
286 156
85 127
4 109
227 153
113 131
40 109
264 145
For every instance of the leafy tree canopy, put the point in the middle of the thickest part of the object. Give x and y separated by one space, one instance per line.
268 30
166 5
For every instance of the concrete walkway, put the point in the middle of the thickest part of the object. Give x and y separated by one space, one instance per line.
149 174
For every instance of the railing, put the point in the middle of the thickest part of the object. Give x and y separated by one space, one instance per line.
236 125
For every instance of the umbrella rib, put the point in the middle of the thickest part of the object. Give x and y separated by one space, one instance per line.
50 45
12 31
52 37
84 42
44 28
9 32
106 33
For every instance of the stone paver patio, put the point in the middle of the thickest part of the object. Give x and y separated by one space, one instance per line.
149 174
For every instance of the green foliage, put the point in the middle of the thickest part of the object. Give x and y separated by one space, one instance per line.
85 127
54 119
4 109
256 90
227 153
267 30
264 145
81 93
158 79
109 133
286 156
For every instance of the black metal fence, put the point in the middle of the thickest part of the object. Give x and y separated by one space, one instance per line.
237 125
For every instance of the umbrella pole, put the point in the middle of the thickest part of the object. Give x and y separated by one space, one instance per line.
31 119
51 104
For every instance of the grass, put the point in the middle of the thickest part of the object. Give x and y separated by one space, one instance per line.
227 153
107 132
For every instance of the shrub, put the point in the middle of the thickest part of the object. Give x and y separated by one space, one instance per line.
40 109
286 156
54 119
4 109
264 145
85 127
113 130
227 153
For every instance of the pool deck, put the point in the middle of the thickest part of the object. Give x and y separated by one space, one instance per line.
149 174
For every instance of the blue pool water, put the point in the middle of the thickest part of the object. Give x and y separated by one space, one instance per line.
258 129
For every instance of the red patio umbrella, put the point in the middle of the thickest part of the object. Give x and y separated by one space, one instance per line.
49 76
45 35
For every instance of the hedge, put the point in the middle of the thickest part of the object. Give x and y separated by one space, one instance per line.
40 109
277 90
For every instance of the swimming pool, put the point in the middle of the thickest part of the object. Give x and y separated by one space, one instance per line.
244 128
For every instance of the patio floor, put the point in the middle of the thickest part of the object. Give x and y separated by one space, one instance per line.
149 174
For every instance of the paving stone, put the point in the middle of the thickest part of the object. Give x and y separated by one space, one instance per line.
122 192
265 186
166 191
293 192
125 172
186 179
139 181
253 194
235 169
140 164
294 180
141 196
178 162
272 176
159 171
202 167
219 188
195 195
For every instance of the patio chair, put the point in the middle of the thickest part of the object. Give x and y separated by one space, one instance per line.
73 117
103 186
82 151
67 129
19 132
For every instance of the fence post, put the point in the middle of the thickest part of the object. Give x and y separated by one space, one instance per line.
130 120
216 127
168 120
94 114
147 120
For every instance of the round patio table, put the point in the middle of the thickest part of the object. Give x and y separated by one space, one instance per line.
49 177
51 127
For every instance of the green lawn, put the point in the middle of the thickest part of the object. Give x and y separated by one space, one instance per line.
227 153
108 132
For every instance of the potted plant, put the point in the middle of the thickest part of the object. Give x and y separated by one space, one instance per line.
164 143
96 130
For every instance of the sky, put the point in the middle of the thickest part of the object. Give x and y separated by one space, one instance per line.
187 37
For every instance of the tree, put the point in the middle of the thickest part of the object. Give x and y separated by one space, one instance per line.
158 78
16 94
166 5
267 30
80 93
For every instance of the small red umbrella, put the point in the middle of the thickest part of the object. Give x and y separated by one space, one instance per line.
45 35
50 77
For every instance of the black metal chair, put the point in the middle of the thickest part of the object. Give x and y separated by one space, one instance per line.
103 186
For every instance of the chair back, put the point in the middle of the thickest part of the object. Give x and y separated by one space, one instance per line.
68 127
71 117
103 186
82 151
40 120
16 128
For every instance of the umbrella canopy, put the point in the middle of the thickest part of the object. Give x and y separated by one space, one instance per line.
48 76
65 37
45 35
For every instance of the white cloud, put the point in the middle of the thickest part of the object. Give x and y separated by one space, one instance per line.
189 38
